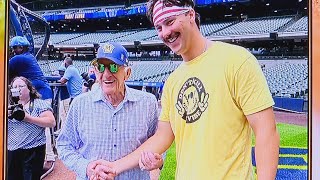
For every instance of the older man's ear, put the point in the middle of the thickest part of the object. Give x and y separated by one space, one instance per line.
128 73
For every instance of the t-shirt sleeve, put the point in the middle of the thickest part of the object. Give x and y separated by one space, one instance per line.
252 93
68 74
164 114
44 106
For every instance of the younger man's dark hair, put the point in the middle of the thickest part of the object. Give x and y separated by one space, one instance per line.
151 3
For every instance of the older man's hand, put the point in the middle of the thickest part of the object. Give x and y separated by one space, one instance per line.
104 170
150 161
90 168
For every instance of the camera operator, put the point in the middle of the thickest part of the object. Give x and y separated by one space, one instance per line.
89 81
26 134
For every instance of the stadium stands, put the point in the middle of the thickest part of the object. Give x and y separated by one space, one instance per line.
255 26
286 78
208 29
90 38
300 25
264 25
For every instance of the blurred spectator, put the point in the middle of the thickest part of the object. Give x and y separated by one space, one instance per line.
72 78
64 98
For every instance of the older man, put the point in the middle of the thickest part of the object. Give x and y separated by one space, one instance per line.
110 122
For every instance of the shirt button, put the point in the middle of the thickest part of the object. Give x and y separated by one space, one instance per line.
114 145
115 129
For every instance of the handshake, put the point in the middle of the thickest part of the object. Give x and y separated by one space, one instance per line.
102 169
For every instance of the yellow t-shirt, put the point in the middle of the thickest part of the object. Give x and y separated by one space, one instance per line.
206 101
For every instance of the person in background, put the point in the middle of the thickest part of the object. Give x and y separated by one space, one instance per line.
26 132
23 63
108 123
72 78
64 99
210 105
91 81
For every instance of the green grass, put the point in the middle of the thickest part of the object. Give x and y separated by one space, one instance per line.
290 136
169 168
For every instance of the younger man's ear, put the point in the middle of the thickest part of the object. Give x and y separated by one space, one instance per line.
192 15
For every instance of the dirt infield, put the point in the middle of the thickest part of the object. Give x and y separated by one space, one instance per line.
292 118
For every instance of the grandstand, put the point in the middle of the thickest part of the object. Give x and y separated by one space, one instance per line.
285 78
257 26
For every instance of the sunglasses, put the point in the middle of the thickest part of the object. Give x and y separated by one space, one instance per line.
113 68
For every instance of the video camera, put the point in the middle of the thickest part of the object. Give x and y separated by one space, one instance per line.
16 108
88 81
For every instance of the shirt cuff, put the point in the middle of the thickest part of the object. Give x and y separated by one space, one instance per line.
83 164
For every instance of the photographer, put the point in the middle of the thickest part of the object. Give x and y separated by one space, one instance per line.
26 130
90 80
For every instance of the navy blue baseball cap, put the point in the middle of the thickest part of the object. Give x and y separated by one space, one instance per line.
112 51
19 41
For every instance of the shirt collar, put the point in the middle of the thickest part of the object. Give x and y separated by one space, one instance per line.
130 95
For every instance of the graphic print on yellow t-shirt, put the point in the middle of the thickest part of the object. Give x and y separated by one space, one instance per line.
192 100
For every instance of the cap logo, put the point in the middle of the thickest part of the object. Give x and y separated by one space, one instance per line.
108 48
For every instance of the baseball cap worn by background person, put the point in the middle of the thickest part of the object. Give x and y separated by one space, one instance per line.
112 51
19 41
